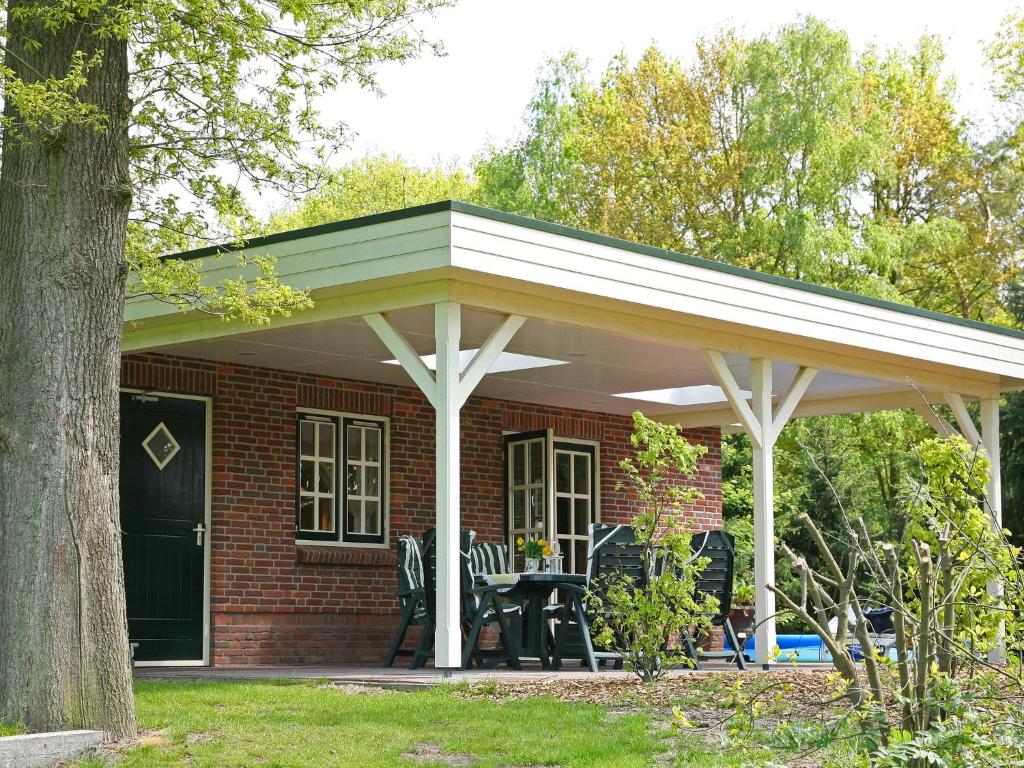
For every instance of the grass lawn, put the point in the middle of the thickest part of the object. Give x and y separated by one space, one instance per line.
265 724
225 724
8 730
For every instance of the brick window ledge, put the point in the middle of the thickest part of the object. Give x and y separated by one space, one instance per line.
358 556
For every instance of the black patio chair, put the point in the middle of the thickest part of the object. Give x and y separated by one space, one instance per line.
484 605
479 604
411 595
613 555
716 580
613 551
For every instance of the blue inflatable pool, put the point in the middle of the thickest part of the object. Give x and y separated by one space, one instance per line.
798 648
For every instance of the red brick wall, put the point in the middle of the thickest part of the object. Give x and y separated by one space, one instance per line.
269 604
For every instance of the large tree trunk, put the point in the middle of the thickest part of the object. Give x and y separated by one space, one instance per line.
64 200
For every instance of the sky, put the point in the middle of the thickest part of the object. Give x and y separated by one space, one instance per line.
446 109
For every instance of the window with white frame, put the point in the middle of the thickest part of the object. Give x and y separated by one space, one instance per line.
526 500
342 478
551 491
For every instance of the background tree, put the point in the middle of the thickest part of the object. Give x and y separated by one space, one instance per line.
792 154
127 127
536 175
371 185
1011 436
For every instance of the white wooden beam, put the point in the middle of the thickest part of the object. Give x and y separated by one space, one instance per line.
733 393
404 353
487 354
817 406
990 438
447 389
963 419
330 304
674 329
447 633
762 423
764 508
791 400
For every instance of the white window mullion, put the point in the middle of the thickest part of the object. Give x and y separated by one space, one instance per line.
363 477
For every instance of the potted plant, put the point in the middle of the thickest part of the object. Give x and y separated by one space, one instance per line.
741 614
534 549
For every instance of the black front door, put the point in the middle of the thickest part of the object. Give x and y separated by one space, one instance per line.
163 515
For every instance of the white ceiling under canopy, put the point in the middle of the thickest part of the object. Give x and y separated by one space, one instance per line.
596 366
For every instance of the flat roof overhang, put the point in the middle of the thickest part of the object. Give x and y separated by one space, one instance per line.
621 317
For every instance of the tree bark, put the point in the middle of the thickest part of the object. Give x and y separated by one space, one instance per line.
64 200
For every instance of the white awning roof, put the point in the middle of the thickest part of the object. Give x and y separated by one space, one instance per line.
622 318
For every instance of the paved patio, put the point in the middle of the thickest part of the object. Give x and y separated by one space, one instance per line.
403 678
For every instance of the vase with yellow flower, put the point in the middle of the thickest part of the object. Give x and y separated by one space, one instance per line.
534 550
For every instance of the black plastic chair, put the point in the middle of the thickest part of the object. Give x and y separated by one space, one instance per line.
614 552
716 580
479 604
613 555
411 594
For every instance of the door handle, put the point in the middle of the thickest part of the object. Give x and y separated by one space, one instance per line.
199 530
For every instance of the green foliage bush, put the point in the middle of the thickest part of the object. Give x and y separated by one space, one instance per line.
981 728
941 701
946 510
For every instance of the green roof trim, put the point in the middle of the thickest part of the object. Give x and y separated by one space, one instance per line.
580 234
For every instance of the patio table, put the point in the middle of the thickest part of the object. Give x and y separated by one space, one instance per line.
534 589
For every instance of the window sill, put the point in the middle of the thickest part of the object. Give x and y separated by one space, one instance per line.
358 556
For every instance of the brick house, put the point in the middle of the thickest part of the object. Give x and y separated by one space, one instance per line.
466 368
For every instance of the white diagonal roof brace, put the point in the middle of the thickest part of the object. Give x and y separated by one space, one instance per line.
927 412
424 378
404 354
791 400
964 420
487 354
733 393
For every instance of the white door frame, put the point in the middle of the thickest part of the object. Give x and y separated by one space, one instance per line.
208 512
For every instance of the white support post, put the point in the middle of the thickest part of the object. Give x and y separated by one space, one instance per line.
447 389
764 509
994 496
762 422
988 440
448 635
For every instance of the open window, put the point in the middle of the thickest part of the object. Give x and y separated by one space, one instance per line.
552 491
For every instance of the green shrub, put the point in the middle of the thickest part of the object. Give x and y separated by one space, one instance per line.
647 623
